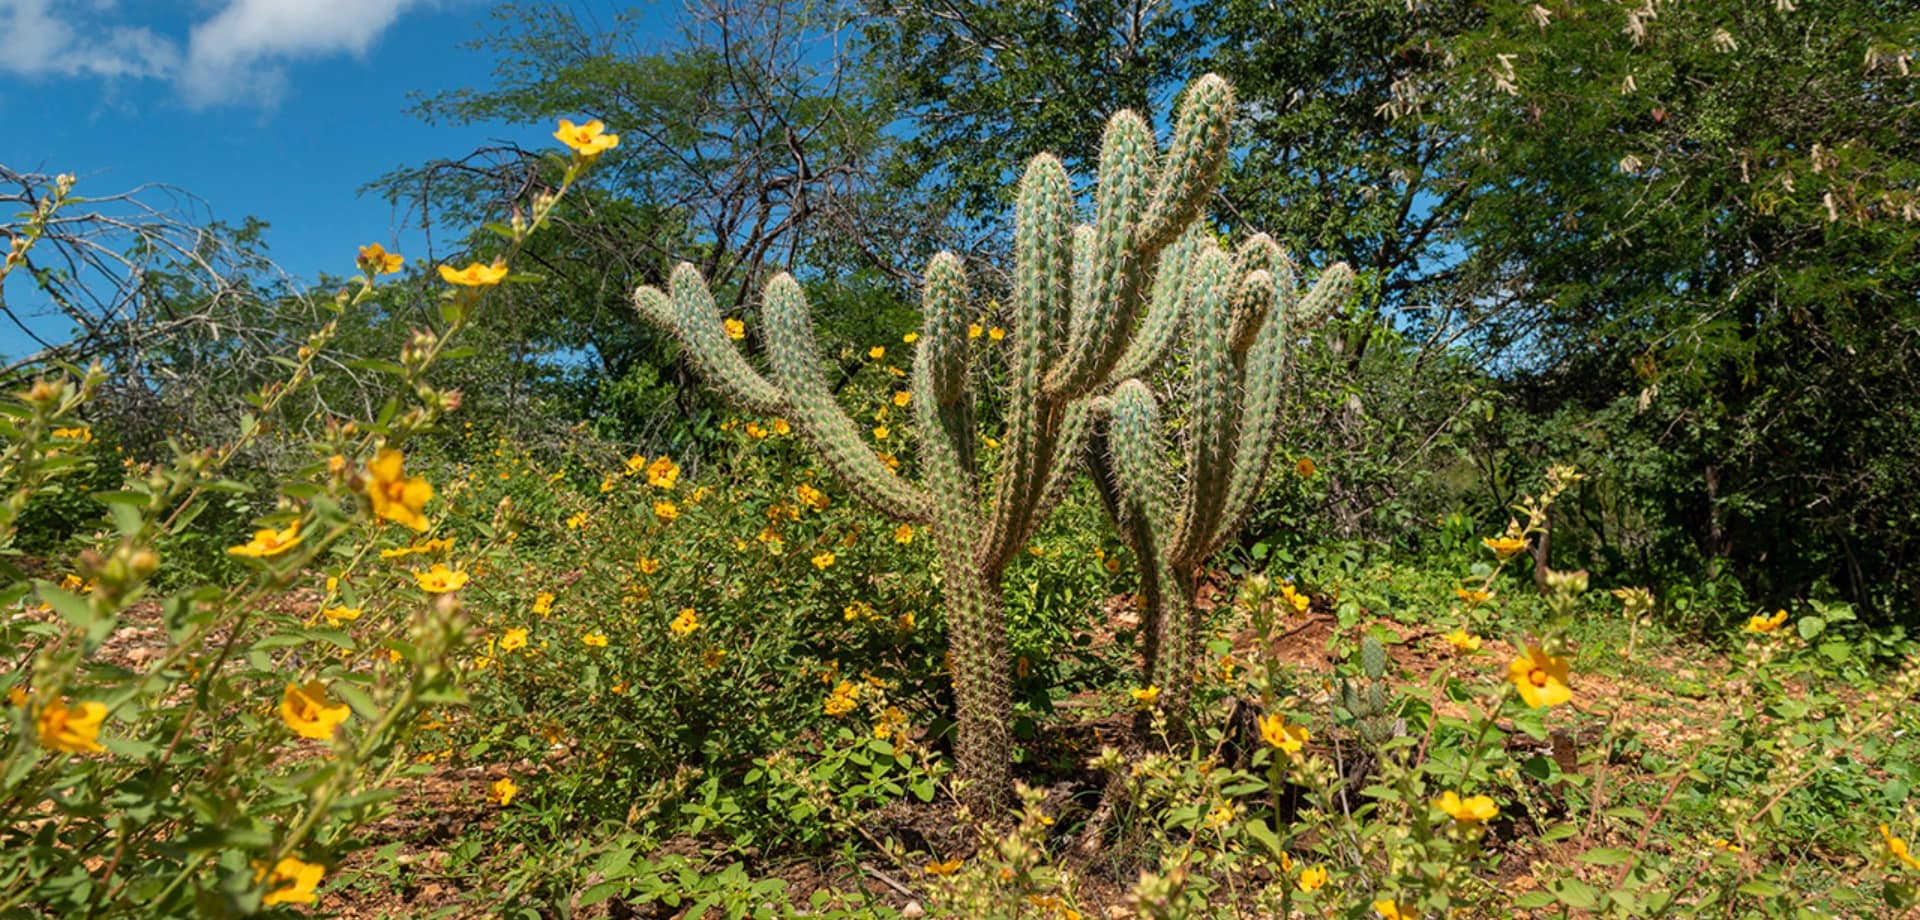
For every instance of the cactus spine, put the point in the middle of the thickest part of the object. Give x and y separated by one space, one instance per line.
1082 312
1244 308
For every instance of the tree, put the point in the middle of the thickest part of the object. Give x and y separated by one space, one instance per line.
746 148
1701 220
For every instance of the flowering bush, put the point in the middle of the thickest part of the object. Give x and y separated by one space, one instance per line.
211 748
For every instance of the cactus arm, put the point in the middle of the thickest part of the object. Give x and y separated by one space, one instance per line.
1130 519
1145 483
1105 320
1072 442
1138 451
1166 307
819 417
1043 244
1328 293
1193 163
1261 261
692 317
1264 374
976 617
1214 414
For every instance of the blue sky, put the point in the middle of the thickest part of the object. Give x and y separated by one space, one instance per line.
278 109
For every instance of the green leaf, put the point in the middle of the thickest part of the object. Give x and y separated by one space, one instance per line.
71 607
1575 893
1606 856
1810 626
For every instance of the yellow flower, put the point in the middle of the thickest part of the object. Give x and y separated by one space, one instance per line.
973 330
1312 878
812 497
647 565
1304 467
892 462
902 397
543 603
341 614
83 434
638 462
903 534
910 338
502 791
841 700
906 621
823 560
685 623
1290 739
663 473
292 882
711 658
1298 600
394 496
439 579
1541 678
1760 624
588 140
309 711
1472 597
780 427
594 640
74 730
474 275
992 443
1145 697
736 330
513 640
1220 816
1897 848
880 433
666 511
1478 809
877 352
948 867
268 542
1504 548
376 260
577 521
996 333
1464 642
1390 909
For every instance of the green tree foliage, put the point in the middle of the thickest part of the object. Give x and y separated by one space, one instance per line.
744 150
1699 223
985 86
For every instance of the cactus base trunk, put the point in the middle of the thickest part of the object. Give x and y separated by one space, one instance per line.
983 701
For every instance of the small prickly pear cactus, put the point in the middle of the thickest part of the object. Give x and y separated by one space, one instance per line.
1083 320
1369 703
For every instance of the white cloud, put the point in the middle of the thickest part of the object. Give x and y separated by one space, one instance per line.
239 54
37 40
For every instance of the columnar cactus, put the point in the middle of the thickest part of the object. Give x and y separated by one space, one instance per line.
1084 319
1245 310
